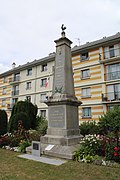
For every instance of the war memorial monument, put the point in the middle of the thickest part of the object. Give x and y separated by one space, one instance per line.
63 134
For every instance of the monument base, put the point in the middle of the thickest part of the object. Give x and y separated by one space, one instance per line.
59 151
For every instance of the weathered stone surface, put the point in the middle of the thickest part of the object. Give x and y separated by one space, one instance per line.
63 124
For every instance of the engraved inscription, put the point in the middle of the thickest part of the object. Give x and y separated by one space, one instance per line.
57 117
35 146
59 80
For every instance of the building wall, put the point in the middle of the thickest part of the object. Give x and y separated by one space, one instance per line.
90 83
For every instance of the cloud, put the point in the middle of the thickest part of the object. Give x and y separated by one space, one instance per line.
28 28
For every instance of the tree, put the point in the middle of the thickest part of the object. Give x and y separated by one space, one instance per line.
24 111
110 121
3 122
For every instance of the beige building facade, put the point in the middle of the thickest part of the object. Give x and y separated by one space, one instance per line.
96 72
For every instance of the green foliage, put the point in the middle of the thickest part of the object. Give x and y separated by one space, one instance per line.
3 122
18 135
23 144
34 135
110 121
89 128
29 112
22 116
90 146
42 125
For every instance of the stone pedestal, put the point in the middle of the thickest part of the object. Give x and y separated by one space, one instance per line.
63 124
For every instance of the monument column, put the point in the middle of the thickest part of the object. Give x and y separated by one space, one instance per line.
63 123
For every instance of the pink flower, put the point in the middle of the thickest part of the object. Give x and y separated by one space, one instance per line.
115 154
116 148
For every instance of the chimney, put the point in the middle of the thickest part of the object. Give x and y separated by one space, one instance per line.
13 65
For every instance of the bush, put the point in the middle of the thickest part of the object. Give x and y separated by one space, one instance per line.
19 135
29 114
89 128
34 135
90 146
3 122
42 125
22 116
110 122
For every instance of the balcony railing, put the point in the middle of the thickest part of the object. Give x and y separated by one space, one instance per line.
112 96
112 75
111 53
15 93
15 79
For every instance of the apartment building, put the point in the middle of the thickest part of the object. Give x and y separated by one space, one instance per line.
96 79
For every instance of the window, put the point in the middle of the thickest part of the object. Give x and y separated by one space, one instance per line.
43 113
86 112
28 85
3 103
86 92
5 79
84 56
43 97
28 98
43 82
15 90
29 72
113 92
44 67
85 73
14 100
113 71
112 52
4 91
16 77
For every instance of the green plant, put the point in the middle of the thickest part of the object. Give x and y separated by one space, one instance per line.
110 122
3 122
22 116
90 146
89 127
23 144
34 135
26 111
42 125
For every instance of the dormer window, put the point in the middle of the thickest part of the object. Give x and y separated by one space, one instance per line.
84 56
29 72
44 67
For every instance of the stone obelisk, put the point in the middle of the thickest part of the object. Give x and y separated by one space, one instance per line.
63 135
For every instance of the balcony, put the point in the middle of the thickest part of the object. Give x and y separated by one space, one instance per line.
112 96
111 54
15 93
112 75
15 79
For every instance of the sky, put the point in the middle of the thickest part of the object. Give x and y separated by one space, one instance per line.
28 28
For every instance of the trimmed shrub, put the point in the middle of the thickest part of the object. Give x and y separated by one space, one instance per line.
3 122
30 114
22 116
89 128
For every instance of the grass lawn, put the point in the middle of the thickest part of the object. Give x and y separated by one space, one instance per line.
15 168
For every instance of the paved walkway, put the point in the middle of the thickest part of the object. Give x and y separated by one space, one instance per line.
46 160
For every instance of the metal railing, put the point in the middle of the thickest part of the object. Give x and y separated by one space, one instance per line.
112 96
112 75
15 93
115 52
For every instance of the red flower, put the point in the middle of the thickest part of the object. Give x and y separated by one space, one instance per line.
116 148
115 154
